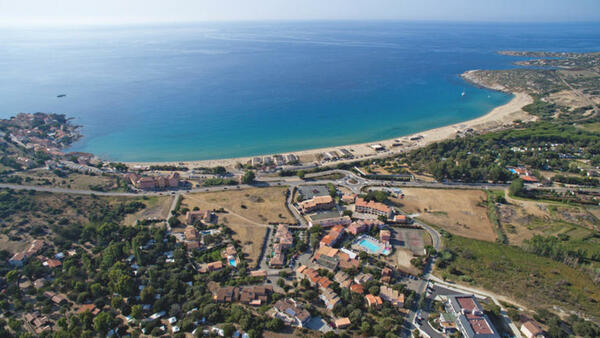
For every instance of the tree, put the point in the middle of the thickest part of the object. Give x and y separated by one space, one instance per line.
228 329
136 311
103 322
301 174
248 177
516 187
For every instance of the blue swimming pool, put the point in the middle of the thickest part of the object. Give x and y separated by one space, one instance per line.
232 262
369 245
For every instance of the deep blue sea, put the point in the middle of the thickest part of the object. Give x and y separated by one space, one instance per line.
217 90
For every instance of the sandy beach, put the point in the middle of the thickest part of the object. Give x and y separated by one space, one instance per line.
499 117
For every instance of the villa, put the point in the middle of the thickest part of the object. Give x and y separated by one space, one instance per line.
372 207
342 323
373 301
317 203
291 312
284 237
205 216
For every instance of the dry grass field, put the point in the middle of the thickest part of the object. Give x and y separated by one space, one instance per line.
248 213
461 212
260 205
156 207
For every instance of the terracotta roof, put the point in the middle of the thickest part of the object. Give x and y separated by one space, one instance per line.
342 322
360 202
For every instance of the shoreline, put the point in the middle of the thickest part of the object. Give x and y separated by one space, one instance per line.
499 117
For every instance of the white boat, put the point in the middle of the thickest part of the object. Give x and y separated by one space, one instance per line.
463 94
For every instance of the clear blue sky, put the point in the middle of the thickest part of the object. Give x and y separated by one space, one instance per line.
135 11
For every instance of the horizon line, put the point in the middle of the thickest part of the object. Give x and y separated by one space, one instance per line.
101 23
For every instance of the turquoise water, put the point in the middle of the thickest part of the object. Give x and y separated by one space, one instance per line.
232 262
372 247
216 90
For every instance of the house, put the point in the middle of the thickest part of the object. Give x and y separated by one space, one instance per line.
229 251
342 323
400 219
373 301
291 312
256 295
283 236
385 236
214 266
313 277
342 279
386 275
52 263
18 259
88 307
357 288
330 298
278 258
532 329
372 207
363 278
317 203
390 295
59 299
39 283
470 319
258 273
190 233
205 216
226 294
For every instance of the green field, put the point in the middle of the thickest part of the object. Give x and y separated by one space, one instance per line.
530 280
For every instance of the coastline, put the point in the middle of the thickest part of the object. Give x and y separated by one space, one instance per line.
499 117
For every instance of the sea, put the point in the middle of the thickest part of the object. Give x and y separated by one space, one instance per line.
198 91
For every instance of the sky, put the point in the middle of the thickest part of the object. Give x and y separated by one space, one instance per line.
33 12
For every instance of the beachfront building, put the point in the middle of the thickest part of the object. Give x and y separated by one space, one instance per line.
154 182
317 203
372 207
470 319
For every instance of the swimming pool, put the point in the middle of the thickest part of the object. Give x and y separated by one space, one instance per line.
369 245
232 262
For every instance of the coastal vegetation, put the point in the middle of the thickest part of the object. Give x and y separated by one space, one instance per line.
533 280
